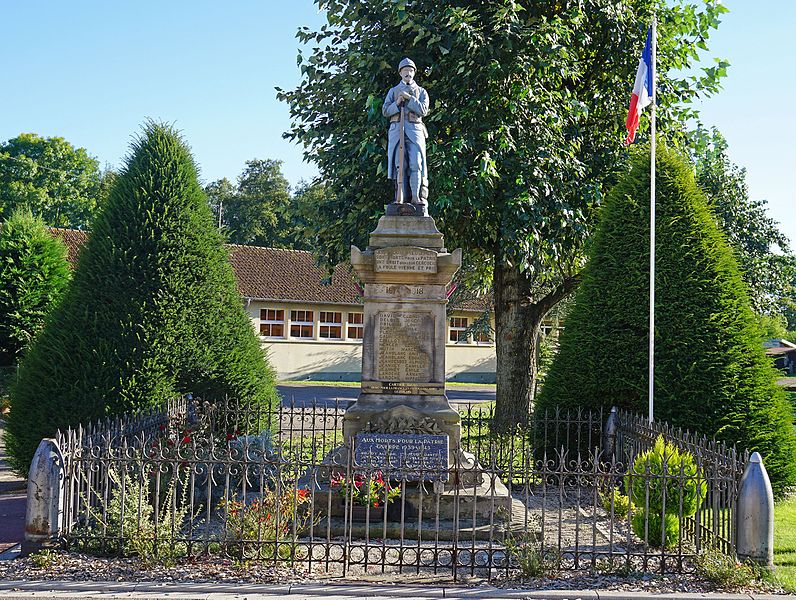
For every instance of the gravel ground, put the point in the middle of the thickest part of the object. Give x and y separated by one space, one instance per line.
77 567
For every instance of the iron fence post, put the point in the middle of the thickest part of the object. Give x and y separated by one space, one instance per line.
609 435
755 518
45 510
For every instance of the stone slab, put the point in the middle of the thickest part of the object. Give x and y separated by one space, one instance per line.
415 456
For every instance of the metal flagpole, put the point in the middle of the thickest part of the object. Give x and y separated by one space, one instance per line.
653 94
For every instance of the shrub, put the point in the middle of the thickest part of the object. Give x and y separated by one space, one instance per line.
533 561
664 485
616 501
33 276
128 524
726 572
275 516
153 311
711 372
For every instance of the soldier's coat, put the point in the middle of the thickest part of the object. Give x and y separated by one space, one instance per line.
416 133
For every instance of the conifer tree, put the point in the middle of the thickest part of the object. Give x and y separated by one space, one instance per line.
33 275
153 311
711 372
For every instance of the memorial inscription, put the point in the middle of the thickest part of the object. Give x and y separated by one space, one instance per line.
413 456
406 260
404 343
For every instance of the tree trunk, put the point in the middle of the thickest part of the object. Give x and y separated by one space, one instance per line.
517 320
519 310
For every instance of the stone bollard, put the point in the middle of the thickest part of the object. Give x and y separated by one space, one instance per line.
609 435
44 518
755 516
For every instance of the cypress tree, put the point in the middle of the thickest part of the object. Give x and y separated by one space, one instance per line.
152 312
711 372
33 275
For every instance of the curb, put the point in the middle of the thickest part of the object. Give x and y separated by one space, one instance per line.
67 590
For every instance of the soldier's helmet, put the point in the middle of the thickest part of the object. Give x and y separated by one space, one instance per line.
407 62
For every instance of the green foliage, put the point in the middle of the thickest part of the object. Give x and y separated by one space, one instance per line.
767 264
524 132
277 516
52 178
532 560
259 210
44 559
711 372
664 484
33 275
726 572
152 312
616 503
129 523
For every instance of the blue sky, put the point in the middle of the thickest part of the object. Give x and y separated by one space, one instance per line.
92 71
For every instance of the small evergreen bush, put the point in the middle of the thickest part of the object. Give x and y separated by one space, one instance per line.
711 372
33 276
152 313
664 484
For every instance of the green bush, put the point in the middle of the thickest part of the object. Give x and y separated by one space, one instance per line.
663 485
616 501
153 310
33 275
711 372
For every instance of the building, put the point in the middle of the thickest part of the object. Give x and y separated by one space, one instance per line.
312 329
783 353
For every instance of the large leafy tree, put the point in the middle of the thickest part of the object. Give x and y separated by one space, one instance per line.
152 311
53 179
763 251
711 371
33 275
526 128
256 211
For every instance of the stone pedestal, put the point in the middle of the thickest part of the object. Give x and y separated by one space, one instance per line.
406 271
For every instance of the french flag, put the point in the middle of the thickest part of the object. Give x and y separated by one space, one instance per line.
642 90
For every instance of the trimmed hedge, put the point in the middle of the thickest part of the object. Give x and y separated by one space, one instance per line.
711 372
34 273
152 312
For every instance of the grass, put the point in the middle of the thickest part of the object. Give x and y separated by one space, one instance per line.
785 544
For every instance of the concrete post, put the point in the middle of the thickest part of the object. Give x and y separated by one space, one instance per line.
609 435
45 511
755 517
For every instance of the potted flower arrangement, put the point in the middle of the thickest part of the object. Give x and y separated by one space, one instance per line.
368 494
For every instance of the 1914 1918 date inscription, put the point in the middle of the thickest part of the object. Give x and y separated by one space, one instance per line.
412 456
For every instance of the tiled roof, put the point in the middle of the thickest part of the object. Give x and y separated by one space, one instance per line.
74 240
278 274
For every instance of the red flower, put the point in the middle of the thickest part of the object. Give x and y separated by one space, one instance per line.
186 439
375 504
230 436
302 493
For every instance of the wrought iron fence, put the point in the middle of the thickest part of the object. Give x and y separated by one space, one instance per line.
223 479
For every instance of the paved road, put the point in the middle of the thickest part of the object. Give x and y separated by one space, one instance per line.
328 395
12 502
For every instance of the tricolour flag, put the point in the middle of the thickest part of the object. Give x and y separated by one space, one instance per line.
642 90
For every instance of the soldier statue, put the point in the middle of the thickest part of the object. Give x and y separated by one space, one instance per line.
405 105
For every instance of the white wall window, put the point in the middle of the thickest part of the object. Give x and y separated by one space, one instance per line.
330 325
272 323
356 328
302 324
483 337
457 330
